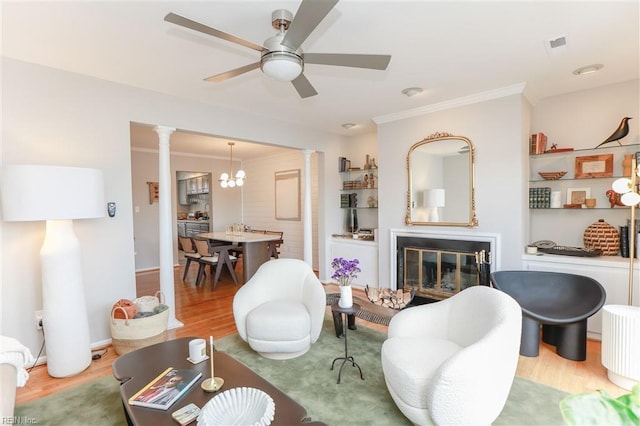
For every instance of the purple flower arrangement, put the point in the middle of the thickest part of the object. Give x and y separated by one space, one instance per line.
345 270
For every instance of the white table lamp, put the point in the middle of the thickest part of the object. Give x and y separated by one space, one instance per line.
433 199
58 195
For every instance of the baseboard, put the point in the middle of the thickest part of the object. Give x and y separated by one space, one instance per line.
94 346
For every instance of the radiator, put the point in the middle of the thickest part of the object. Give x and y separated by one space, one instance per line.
621 344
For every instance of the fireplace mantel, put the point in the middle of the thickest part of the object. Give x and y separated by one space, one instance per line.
493 240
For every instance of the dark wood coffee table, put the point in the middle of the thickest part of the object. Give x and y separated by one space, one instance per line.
135 369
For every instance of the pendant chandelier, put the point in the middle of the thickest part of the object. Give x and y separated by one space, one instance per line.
228 180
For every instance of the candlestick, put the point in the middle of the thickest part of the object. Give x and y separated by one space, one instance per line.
212 384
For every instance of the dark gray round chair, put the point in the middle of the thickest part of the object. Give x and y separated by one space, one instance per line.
560 302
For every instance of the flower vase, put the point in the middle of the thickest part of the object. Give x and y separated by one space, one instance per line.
346 297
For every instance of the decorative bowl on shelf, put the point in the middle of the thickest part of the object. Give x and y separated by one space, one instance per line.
238 406
552 175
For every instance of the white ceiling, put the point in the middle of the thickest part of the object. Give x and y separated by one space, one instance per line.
451 49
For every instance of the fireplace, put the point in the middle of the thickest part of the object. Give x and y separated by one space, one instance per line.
438 265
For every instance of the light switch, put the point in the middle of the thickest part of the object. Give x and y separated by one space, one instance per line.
137 209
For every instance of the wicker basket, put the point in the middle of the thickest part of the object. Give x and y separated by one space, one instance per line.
601 235
130 334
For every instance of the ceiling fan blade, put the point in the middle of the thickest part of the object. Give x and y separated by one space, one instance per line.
376 62
193 25
304 88
235 72
309 15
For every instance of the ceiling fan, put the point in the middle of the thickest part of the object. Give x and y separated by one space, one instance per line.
281 55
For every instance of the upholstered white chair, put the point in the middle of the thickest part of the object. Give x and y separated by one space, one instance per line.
453 362
280 310
13 358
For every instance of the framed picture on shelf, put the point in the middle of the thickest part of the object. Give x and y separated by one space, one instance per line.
594 166
578 195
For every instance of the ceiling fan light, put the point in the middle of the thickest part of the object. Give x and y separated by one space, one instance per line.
281 66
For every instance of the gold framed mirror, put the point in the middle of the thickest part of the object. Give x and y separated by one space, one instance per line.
440 170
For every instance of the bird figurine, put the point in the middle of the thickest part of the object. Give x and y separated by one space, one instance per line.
620 132
614 198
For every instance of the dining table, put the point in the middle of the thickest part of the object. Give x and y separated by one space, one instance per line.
255 251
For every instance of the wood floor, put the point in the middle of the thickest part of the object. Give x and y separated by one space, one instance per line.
208 313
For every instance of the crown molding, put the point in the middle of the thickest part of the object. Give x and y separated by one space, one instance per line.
453 103
183 154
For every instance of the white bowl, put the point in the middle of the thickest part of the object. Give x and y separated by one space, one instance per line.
238 406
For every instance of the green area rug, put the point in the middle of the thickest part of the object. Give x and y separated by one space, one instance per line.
307 379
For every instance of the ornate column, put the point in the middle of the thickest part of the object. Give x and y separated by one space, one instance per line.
165 230
307 221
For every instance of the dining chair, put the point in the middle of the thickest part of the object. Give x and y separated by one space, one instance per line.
237 250
275 245
190 254
215 255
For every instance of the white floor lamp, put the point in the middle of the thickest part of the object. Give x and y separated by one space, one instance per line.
58 195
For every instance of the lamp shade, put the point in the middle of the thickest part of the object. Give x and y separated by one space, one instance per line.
37 192
434 197
280 62
622 185
283 68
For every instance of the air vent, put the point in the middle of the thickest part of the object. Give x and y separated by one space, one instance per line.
557 45
557 42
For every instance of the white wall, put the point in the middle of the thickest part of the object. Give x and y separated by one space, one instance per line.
55 117
495 129
259 200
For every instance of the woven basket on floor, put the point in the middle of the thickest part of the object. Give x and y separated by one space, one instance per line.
130 334
601 235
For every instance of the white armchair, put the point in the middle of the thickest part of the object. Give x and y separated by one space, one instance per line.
280 310
453 362
13 357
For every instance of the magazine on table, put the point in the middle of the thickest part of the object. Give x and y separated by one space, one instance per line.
165 389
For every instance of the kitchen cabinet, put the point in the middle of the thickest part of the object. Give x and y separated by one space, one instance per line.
182 193
192 186
191 228
198 185
194 228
